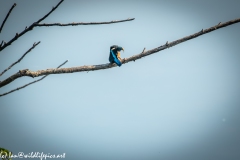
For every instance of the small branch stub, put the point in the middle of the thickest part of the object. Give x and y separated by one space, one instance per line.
23 72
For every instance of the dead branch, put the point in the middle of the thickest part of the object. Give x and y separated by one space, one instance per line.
9 12
82 23
19 60
35 24
30 82
29 73
27 29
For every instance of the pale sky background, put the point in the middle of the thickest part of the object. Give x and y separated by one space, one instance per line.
178 104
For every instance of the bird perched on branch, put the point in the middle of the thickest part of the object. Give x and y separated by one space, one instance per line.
114 56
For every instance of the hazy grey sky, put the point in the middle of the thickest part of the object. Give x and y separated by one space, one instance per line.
178 104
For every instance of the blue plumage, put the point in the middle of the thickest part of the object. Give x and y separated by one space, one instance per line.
114 56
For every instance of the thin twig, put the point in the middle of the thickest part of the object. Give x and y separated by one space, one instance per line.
34 45
41 19
62 64
1 44
30 82
82 23
109 65
7 16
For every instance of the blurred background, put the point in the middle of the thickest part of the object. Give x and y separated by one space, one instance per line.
178 104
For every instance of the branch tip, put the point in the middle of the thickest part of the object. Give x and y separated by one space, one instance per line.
9 12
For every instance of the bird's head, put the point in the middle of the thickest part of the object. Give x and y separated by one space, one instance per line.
118 48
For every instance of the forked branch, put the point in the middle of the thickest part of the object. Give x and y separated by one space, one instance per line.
29 73
27 29
35 24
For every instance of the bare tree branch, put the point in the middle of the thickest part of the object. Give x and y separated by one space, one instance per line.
7 16
58 24
34 45
28 28
30 82
35 24
29 73
82 23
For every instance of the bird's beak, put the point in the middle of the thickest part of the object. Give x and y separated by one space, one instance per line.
123 49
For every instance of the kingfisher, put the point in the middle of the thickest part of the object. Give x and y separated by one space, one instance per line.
114 56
